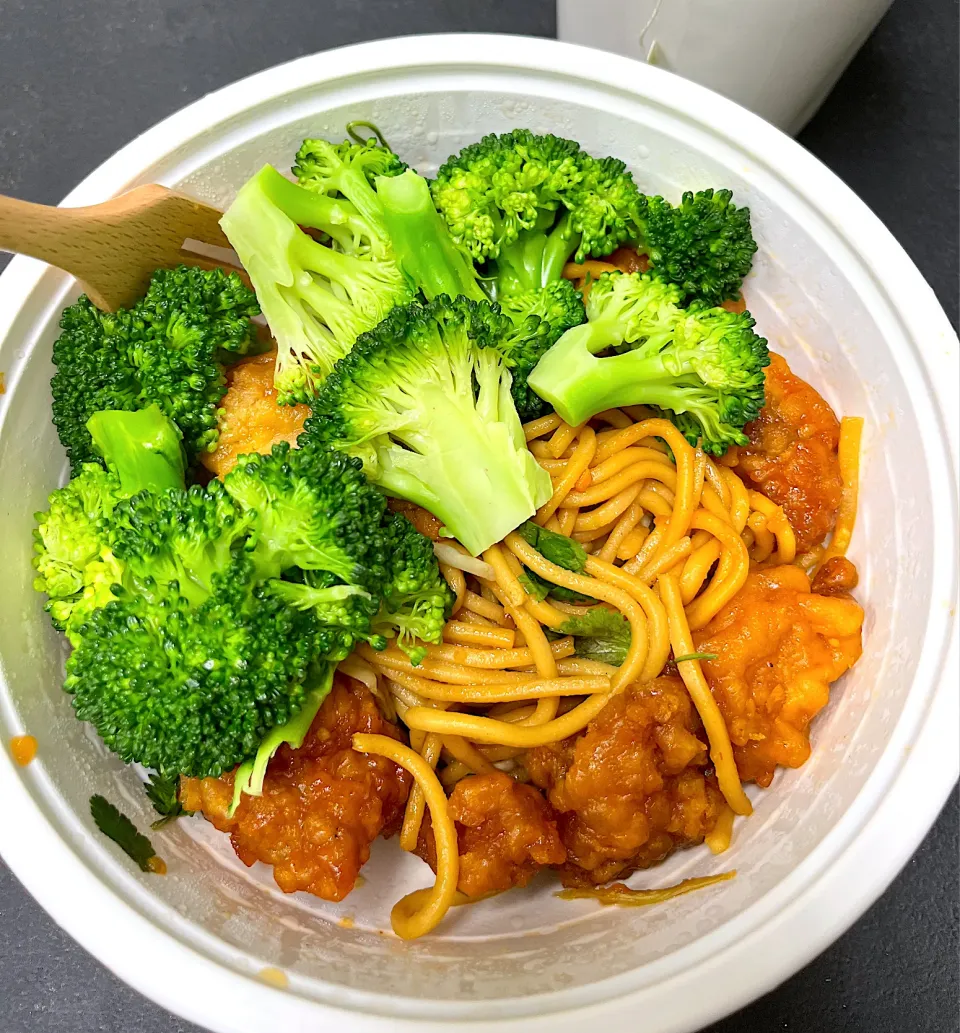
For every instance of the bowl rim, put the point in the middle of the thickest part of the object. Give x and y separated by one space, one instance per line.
886 822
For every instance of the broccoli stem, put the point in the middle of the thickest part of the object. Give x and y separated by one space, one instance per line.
421 242
463 475
537 257
317 211
248 778
577 384
143 446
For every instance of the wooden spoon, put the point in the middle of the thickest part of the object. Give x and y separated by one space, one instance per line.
113 248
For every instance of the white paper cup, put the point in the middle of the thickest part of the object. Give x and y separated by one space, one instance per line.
833 291
779 58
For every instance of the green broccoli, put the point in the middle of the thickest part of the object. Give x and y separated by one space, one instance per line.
322 167
73 553
168 349
317 297
180 536
540 319
312 508
526 204
512 193
424 247
436 265
74 564
248 778
192 690
358 566
703 366
704 245
424 401
416 600
143 446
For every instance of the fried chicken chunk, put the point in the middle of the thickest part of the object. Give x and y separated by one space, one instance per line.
251 420
792 455
506 833
778 648
633 786
322 805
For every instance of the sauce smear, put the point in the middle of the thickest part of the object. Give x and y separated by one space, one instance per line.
23 748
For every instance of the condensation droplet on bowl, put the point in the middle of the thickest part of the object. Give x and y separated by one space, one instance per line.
433 136
641 152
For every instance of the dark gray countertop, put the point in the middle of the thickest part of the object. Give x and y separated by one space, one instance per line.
79 78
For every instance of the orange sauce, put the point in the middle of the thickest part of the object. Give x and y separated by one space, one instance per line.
23 748
157 865
274 977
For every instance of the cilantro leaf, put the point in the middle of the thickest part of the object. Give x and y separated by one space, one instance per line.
600 634
534 586
540 588
123 832
557 548
161 791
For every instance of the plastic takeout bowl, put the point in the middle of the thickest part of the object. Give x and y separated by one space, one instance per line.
833 291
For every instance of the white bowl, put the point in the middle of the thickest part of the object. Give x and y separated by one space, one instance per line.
832 290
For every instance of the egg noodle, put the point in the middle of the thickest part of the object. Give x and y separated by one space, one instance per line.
671 535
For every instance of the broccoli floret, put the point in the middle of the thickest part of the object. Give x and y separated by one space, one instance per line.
416 598
181 536
703 366
348 608
249 777
540 318
143 446
74 564
358 566
312 508
705 245
320 165
187 690
74 556
526 204
437 266
169 348
317 297
424 401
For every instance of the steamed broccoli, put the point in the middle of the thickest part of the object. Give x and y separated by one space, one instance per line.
333 168
169 348
248 778
74 557
704 245
358 566
317 297
74 564
540 318
438 267
703 366
529 203
424 247
182 536
143 447
416 600
424 401
312 509
191 690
